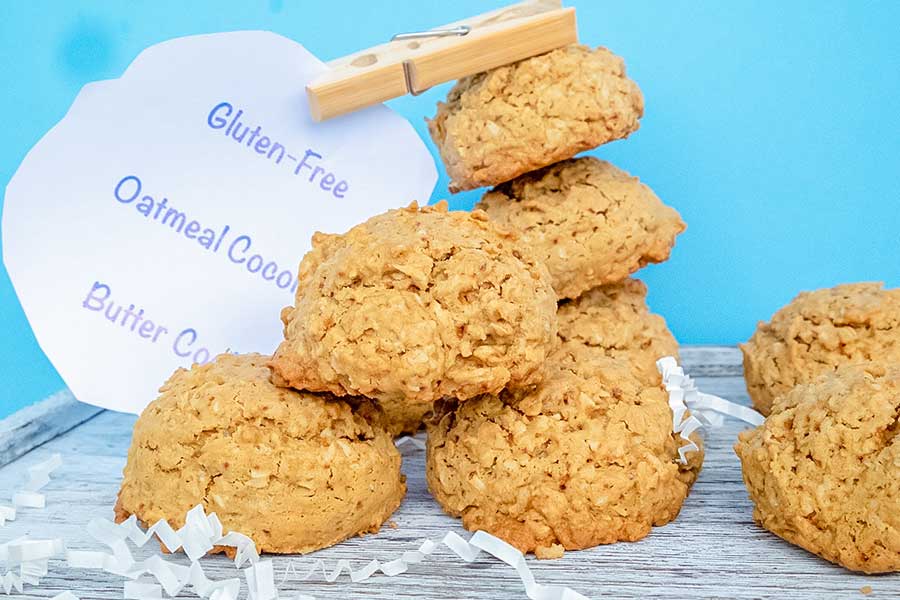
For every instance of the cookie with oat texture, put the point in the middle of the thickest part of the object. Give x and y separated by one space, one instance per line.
582 459
613 321
415 305
823 471
497 125
590 223
817 332
294 471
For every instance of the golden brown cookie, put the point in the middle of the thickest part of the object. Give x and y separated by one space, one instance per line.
613 321
292 470
823 471
817 332
590 222
584 459
402 417
500 124
415 305
609 321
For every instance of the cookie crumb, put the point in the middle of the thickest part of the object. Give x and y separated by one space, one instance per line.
393 525
549 552
865 590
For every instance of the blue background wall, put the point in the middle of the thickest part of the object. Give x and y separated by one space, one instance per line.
774 127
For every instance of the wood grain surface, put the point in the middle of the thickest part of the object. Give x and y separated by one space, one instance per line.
712 550
41 422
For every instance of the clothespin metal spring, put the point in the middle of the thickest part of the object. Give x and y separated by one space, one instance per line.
414 35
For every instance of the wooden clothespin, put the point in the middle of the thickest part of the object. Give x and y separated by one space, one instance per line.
413 62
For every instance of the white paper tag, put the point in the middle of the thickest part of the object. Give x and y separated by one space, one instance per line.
162 220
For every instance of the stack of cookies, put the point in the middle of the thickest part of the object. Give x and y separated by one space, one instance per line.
587 456
295 450
514 331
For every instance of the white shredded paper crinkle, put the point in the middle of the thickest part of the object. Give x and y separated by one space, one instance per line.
140 590
26 560
480 541
28 495
408 440
262 576
706 410
30 557
202 532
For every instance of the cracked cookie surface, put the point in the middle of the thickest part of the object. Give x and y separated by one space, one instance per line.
823 471
415 305
613 321
500 124
590 222
584 459
294 471
817 332
609 321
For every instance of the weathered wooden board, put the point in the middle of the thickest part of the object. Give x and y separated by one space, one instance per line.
712 550
41 422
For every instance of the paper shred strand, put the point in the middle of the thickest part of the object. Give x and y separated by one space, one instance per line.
706 410
84 559
32 571
201 532
261 581
4 547
480 541
11 581
222 594
25 499
408 440
205 587
246 549
708 402
31 557
39 474
137 590
28 496
27 551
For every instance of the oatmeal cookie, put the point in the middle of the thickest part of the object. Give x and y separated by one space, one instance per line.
415 305
817 332
500 124
590 222
614 321
609 321
823 471
583 459
292 470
